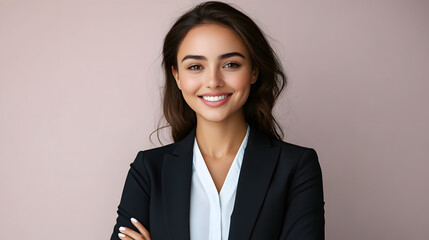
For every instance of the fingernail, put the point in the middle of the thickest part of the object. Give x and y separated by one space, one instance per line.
121 235
121 229
134 220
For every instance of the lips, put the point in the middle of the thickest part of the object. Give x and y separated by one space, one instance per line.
215 99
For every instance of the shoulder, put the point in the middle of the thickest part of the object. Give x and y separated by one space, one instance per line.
288 152
154 154
158 151
150 159
293 150
297 156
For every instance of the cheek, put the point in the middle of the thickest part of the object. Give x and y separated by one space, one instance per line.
241 82
189 85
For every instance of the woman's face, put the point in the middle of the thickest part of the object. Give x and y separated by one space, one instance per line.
214 72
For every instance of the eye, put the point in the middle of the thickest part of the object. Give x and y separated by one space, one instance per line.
195 67
231 65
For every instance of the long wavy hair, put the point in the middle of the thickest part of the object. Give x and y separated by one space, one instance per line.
263 94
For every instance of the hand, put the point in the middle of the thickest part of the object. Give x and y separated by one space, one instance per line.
129 234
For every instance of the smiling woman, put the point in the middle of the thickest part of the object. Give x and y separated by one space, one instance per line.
215 71
228 175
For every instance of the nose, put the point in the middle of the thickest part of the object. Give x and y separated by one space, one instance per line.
214 78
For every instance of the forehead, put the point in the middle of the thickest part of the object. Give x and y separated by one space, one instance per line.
211 40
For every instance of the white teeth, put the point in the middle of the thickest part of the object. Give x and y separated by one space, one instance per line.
214 98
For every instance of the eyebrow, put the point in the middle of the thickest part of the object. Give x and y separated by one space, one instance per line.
223 56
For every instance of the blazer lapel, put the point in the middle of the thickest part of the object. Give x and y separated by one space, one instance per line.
176 187
259 161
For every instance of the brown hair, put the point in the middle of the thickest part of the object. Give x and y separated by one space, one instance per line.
263 94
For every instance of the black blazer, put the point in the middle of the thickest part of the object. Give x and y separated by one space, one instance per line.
279 193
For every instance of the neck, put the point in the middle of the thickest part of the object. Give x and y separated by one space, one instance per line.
218 139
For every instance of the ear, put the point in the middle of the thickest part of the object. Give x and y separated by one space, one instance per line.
255 74
176 76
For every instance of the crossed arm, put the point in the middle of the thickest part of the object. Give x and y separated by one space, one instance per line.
303 219
134 204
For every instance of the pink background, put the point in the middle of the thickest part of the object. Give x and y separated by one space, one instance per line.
79 95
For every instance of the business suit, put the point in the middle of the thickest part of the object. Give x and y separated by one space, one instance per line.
279 192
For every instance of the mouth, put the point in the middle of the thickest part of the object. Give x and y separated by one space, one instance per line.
215 98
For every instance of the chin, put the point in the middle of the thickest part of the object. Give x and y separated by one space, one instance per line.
213 117
217 116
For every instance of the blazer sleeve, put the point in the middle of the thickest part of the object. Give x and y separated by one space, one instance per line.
135 197
304 216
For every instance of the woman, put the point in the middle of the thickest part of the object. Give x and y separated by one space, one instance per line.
228 175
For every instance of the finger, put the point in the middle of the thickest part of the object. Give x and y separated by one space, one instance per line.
128 233
124 237
141 228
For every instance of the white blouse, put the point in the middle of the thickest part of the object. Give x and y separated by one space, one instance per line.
210 212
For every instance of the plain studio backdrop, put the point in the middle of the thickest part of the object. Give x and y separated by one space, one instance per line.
80 86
